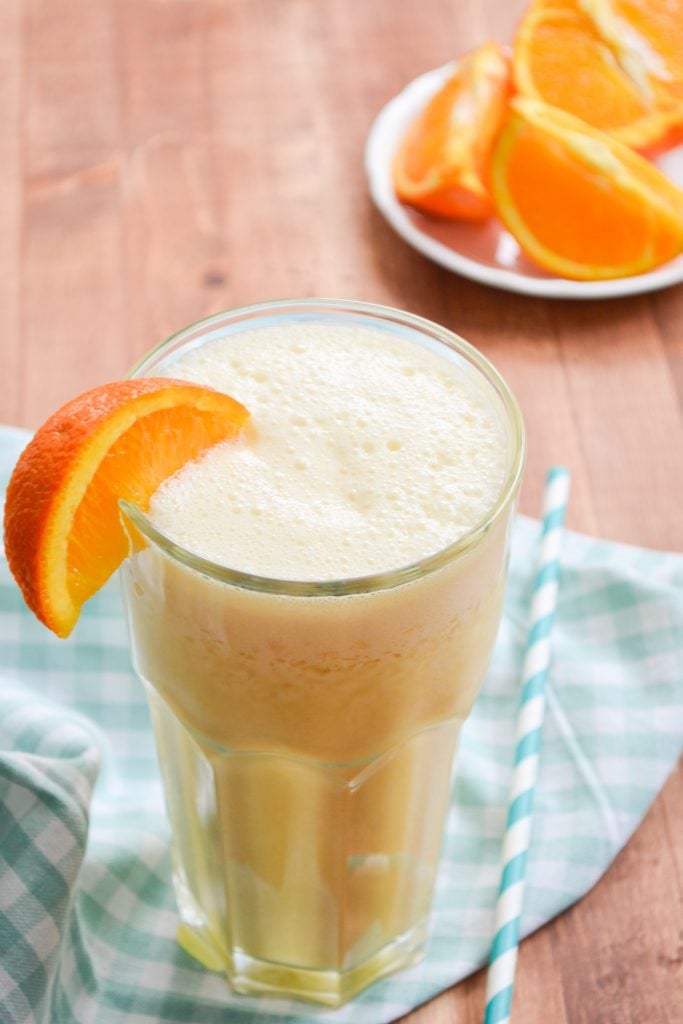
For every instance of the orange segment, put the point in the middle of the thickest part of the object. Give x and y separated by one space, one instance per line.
647 36
579 203
583 57
440 165
63 534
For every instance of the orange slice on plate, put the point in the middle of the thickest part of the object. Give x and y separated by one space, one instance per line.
647 37
579 203
622 76
63 533
441 163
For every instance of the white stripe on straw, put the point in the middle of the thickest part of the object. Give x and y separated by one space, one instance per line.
503 957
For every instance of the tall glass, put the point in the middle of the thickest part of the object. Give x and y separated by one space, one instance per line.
306 730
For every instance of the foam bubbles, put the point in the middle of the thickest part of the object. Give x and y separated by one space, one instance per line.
365 453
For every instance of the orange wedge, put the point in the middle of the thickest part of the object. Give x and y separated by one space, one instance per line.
587 58
440 165
647 37
63 534
579 203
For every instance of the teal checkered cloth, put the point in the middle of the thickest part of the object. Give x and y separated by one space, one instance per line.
87 913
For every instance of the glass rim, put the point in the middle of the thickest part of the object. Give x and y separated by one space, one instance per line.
352 584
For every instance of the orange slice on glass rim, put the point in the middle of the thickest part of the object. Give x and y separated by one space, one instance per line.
441 163
617 64
63 533
578 202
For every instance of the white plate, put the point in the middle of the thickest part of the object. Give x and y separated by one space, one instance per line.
485 252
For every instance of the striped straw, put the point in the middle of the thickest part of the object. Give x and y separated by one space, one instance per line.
503 957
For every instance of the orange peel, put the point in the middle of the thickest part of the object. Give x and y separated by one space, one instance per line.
440 166
63 533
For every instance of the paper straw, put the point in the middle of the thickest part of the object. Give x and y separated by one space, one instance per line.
503 957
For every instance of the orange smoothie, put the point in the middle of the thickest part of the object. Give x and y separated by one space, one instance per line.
313 607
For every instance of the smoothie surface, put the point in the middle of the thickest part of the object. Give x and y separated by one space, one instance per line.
366 452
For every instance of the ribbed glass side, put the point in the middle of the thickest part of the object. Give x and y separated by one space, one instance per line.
307 878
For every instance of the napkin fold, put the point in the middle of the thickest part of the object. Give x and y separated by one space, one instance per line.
87 913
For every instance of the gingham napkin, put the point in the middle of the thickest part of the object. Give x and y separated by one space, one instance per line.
87 915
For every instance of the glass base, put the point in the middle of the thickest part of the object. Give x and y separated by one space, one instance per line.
250 976
298 878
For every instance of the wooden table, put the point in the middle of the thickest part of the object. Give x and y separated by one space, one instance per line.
163 159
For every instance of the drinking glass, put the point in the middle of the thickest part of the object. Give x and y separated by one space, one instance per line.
306 730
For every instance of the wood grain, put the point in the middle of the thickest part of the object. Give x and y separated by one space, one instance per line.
11 75
163 159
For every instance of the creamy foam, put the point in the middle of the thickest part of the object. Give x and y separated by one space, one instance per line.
365 452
